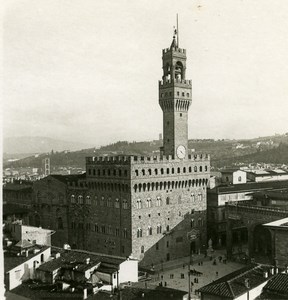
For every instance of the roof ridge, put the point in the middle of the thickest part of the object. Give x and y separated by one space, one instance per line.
230 288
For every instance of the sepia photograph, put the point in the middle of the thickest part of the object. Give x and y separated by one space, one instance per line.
144 150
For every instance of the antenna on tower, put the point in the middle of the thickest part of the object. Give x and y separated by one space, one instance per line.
177 32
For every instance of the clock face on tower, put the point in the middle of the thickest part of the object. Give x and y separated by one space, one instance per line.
181 151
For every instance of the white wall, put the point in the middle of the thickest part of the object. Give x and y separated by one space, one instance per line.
253 293
239 177
128 271
25 270
233 197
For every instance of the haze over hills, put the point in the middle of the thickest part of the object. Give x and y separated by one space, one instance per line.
273 149
32 145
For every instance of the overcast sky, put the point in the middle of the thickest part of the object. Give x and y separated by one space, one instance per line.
88 70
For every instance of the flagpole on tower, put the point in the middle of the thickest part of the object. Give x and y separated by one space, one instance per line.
177 32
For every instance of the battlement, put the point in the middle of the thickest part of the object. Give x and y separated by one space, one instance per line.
129 159
175 81
179 50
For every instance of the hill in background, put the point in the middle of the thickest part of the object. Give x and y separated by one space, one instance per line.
223 152
31 145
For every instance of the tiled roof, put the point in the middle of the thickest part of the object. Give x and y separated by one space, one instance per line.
24 244
278 284
17 187
78 258
233 284
12 261
249 186
69 178
131 293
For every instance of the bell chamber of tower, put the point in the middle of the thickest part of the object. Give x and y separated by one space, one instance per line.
175 98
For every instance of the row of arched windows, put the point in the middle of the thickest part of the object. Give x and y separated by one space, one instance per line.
102 201
171 94
109 186
149 230
101 229
200 223
167 171
143 187
108 172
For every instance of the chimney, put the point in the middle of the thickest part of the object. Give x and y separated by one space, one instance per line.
272 271
27 253
57 255
87 260
265 274
85 294
276 270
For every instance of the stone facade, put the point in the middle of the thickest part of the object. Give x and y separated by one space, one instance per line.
147 203
144 206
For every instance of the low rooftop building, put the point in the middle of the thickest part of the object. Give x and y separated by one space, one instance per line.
246 283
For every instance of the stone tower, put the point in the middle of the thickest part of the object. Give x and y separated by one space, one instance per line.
175 99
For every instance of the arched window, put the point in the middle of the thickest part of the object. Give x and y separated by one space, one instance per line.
139 232
149 202
195 169
42 258
125 233
178 170
167 170
200 197
95 200
200 169
158 201
73 199
88 200
125 204
184 170
167 201
142 249
192 223
149 172
136 172
193 197
206 168
80 199
159 228
149 230
143 172
199 222
162 171
138 203
117 204
172 170
156 171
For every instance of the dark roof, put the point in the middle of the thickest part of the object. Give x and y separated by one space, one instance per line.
69 178
278 284
11 261
249 186
233 284
129 293
78 258
279 195
230 170
17 187
11 209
